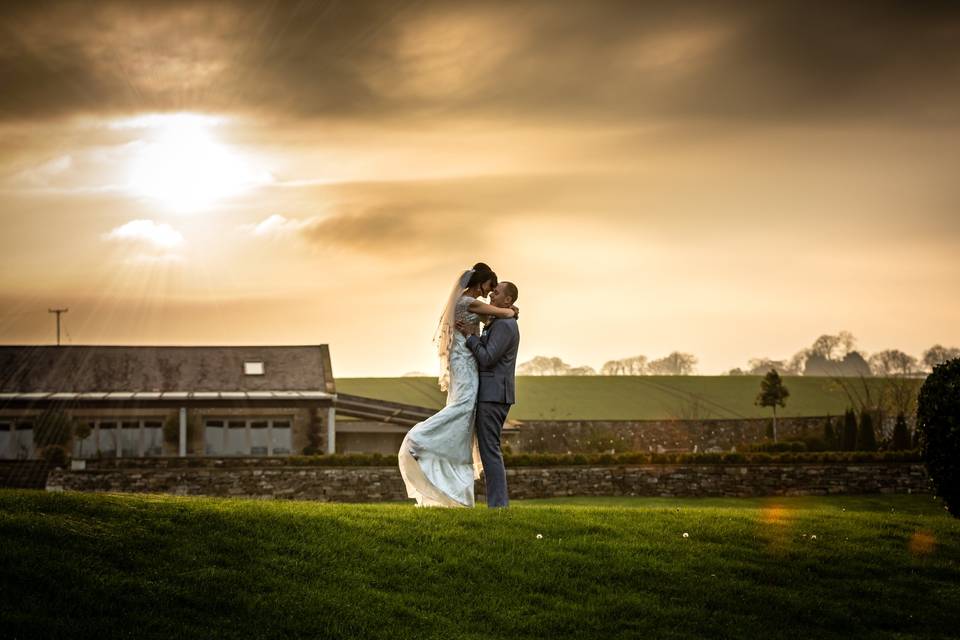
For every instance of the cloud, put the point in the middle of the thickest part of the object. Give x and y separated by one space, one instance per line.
610 61
41 175
156 235
276 226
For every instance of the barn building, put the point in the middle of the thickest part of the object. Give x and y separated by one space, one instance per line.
142 401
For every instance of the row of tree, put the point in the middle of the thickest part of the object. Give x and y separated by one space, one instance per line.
837 356
832 356
675 364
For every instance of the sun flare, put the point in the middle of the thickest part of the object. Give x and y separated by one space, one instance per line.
184 167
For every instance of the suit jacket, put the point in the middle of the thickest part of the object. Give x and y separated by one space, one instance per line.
496 354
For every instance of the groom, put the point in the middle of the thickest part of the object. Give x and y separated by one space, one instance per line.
496 354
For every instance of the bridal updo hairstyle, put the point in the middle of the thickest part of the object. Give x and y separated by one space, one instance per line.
482 273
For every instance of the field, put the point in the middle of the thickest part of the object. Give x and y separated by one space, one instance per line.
629 397
145 566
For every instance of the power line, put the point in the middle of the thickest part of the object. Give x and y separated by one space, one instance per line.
58 312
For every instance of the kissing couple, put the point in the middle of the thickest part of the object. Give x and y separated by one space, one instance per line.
441 457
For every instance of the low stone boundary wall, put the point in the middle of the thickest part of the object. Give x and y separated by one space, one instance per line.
375 484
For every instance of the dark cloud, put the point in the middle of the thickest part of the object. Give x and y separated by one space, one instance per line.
532 60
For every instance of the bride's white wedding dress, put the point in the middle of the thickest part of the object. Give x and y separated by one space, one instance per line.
439 458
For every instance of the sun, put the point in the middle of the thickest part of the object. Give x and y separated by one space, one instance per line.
183 166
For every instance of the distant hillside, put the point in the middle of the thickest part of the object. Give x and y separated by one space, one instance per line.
628 397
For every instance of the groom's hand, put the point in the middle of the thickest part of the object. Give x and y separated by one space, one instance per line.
465 329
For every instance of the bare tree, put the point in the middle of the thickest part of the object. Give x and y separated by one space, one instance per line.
893 362
581 371
938 354
547 366
634 366
543 366
760 366
675 364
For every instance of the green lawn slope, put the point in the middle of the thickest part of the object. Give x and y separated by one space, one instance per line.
629 397
144 566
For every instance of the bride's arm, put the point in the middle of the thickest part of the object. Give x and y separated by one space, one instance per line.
485 309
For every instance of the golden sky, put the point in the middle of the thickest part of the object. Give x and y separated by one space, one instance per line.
731 182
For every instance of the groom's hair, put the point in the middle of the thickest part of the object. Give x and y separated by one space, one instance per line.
511 291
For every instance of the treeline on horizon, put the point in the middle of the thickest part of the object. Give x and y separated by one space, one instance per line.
829 356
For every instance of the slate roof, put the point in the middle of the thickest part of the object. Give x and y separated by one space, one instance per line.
95 368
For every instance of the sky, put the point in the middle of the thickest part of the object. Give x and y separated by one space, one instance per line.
728 179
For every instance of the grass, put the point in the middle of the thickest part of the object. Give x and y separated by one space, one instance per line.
629 397
156 566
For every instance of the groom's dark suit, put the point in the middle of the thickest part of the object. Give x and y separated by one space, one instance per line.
496 354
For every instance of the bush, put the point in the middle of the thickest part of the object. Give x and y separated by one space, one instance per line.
785 445
938 421
901 436
829 435
630 458
54 454
848 441
866 436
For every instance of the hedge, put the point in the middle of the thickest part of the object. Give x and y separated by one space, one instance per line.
556 460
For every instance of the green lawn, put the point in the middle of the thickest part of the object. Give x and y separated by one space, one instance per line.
145 566
628 397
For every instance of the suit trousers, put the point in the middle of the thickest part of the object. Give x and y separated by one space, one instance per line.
490 419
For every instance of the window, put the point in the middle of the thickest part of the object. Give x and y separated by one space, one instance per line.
236 444
259 438
23 440
107 439
253 368
152 438
247 436
130 438
6 440
86 447
280 439
127 437
213 437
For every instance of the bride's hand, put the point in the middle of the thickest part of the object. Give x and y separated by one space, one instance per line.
516 312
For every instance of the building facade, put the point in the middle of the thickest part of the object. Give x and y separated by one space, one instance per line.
121 401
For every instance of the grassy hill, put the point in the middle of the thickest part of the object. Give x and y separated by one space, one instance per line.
628 397
145 566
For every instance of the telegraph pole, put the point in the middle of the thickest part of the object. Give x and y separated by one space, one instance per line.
58 312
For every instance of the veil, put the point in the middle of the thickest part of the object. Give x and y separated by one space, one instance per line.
446 328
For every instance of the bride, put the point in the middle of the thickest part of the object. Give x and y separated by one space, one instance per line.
439 459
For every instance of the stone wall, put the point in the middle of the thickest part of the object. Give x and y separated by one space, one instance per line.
373 484
661 435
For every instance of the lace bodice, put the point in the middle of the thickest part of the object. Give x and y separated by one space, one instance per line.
463 314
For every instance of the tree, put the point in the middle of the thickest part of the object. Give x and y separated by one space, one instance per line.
543 366
829 435
634 366
772 394
849 439
581 371
901 435
938 354
893 362
897 372
759 366
675 364
938 420
866 437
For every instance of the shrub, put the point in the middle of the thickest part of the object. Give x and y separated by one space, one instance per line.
628 458
901 436
866 437
829 435
785 445
938 421
54 454
849 440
